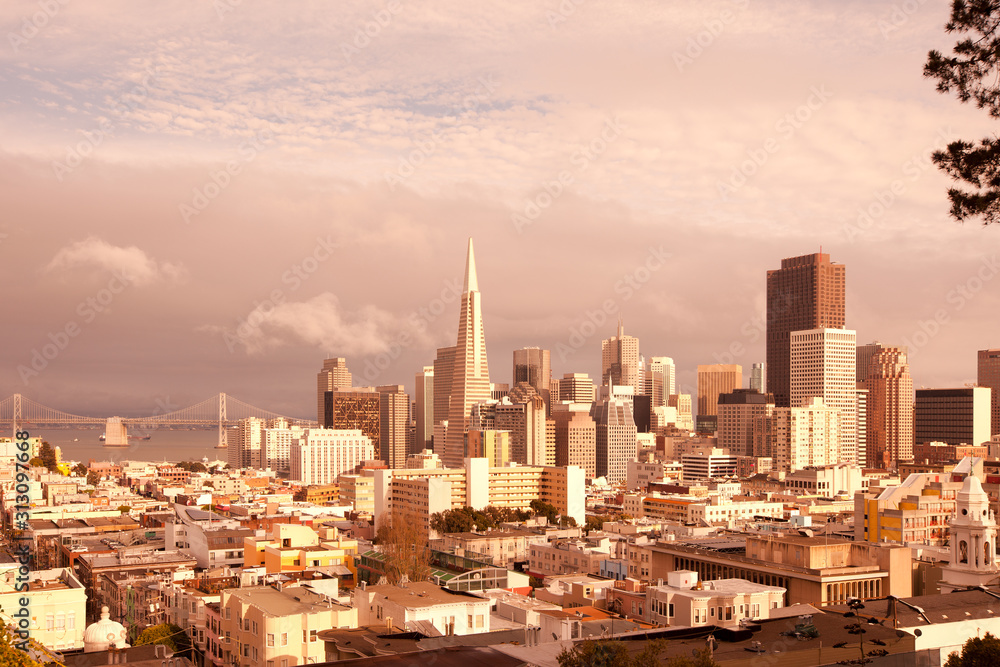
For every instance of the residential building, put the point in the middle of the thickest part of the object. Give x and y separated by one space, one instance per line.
245 445
491 445
421 607
686 601
262 625
358 491
58 606
913 512
296 548
503 547
322 455
806 293
822 363
799 437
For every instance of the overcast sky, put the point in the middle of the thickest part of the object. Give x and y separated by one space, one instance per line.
205 197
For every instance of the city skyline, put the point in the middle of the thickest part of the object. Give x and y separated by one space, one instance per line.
278 196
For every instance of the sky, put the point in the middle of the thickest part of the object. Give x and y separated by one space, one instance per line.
205 197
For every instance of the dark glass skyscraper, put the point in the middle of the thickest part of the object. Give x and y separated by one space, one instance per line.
807 292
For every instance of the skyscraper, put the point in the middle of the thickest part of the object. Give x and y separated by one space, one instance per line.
615 443
737 411
989 376
822 365
470 375
620 360
807 292
423 398
573 387
757 378
349 409
334 375
715 379
394 425
533 365
659 380
954 416
889 437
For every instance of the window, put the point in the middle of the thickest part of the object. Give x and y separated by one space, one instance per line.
270 639
284 639
670 610
71 621
50 622
312 635
60 622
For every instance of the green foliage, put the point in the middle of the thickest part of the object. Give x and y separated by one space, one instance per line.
595 522
192 466
124 509
48 456
970 73
168 634
548 510
13 655
36 462
465 519
590 653
79 469
93 478
404 549
977 652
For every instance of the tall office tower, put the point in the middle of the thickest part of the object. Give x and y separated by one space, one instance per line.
889 426
685 412
470 377
320 455
245 448
807 292
715 379
659 380
757 378
423 410
861 426
576 436
348 409
737 411
864 357
444 365
488 444
620 360
616 438
953 416
333 376
989 376
483 416
394 425
823 366
533 365
523 414
804 436
573 387
499 390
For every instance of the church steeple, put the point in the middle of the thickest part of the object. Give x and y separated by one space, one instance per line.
973 540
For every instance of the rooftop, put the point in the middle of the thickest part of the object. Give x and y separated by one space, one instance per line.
287 602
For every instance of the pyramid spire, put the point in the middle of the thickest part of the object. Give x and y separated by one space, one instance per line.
471 282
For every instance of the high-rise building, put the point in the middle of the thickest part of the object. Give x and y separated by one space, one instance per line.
245 449
660 380
533 365
953 416
823 366
470 374
359 408
757 378
444 364
523 414
575 436
616 438
737 411
989 376
394 425
423 410
715 379
889 436
322 454
804 436
620 360
491 445
685 411
573 387
334 375
807 292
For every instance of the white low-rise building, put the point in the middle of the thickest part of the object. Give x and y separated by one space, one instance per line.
423 607
684 601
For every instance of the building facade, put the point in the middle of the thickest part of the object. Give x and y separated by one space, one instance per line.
822 365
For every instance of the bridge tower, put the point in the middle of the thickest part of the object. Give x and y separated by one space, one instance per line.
223 434
16 418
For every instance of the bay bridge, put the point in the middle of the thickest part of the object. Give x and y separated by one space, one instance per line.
222 411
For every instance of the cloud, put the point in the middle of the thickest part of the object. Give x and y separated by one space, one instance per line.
138 267
319 322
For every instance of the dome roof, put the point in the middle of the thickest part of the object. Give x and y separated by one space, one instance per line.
103 634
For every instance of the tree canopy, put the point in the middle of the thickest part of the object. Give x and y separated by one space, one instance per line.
971 73
48 456
465 519
404 549
613 653
977 652
172 636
